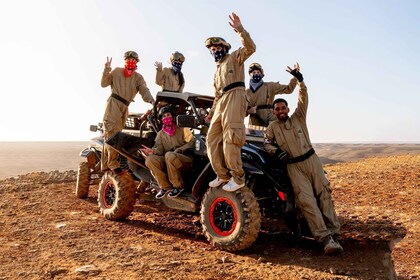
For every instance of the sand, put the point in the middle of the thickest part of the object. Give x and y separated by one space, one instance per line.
17 158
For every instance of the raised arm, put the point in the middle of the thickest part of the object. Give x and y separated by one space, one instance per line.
277 88
249 45
302 106
159 73
106 75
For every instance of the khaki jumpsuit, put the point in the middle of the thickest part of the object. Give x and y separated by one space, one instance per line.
169 160
116 112
168 80
226 134
264 95
311 187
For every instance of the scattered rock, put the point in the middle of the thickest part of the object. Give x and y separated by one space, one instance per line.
88 270
60 225
260 260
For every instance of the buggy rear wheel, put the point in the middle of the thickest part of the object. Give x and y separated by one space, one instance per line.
116 196
83 178
231 220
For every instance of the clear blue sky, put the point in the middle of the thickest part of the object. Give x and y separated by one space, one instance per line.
360 60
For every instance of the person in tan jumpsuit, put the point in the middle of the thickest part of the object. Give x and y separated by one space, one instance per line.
288 139
169 156
125 84
226 134
171 79
261 94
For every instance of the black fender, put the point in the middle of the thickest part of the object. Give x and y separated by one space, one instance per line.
202 182
128 145
256 163
91 151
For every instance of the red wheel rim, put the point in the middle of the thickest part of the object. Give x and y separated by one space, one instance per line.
223 216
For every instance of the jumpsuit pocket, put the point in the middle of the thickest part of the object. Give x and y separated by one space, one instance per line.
326 184
235 134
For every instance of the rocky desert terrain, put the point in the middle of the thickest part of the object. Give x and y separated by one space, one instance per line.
48 233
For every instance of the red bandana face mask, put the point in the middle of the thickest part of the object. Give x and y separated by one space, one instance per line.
130 67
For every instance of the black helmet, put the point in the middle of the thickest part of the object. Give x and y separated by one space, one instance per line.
163 110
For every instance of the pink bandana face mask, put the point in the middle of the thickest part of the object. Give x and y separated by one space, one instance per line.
168 126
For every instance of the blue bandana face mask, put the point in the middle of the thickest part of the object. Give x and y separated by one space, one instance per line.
256 78
177 67
218 55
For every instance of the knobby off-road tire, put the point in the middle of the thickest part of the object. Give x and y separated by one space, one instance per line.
83 178
231 220
116 196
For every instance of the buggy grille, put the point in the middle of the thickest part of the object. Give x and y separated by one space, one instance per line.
132 123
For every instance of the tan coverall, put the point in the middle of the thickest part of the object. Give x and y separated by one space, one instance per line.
226 134
168 159
311 187
116 112
168 80
264 95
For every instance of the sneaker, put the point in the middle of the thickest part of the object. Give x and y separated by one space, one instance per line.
161 193
331 246
175 192
232 186
217 182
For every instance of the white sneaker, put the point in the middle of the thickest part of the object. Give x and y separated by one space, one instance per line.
331 246
232 186
217 182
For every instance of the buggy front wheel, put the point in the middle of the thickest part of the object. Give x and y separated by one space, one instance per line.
231 220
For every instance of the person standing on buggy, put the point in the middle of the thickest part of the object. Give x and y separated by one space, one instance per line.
261 94
226 134
125 84
171 78
288 139
170 155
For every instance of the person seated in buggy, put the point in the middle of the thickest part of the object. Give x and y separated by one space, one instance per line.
169 156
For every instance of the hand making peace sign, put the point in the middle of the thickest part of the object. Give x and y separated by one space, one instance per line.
108 62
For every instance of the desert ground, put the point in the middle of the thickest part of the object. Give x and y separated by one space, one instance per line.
48 233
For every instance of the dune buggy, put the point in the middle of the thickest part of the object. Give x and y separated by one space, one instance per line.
89 171
230 220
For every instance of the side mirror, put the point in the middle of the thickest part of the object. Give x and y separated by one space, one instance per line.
185 121
93 128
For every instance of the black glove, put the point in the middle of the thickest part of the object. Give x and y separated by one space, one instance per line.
282 156
297 75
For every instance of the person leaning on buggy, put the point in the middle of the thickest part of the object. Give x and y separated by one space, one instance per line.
170 155
288 139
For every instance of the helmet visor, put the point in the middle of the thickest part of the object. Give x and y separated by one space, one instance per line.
178 57
131 54
216 41
255 66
